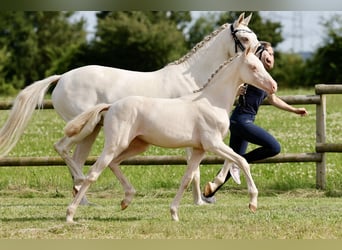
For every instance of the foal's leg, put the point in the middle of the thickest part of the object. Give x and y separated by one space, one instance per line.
223 150
137 146
193 164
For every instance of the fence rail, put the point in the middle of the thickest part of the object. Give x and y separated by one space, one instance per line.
297 99
153 160
319 156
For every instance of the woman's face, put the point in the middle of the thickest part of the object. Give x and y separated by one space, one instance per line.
267 58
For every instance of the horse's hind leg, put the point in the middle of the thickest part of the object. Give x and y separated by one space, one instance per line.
63 148
75 163
136 147
80 155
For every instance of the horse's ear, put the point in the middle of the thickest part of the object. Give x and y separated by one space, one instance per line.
239 20
247 19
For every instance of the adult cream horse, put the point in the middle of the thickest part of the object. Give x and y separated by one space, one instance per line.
80 89
199 121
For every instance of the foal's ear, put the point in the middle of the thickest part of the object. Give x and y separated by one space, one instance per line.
251 49
248 50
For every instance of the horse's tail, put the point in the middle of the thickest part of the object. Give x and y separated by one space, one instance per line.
85 123
21 112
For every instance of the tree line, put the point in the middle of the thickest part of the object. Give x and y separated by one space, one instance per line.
37 44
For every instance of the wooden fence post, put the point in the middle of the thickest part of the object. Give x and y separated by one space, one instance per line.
320 138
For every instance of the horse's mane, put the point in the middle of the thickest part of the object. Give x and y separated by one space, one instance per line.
221 66
200 45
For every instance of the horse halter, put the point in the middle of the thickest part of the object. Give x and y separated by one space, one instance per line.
236 39
261 48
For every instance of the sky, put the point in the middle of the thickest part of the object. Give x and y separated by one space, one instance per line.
302 30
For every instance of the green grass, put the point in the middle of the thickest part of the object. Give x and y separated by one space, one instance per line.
303 215
33 200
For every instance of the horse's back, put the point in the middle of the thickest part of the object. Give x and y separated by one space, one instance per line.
84 87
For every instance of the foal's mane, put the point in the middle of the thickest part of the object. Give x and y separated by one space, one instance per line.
221 66
200 45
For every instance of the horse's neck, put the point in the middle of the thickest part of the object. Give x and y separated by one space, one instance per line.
205 59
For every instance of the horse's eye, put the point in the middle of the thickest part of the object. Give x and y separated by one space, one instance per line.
244 39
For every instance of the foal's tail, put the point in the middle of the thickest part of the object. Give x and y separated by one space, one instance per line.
85 123
22 111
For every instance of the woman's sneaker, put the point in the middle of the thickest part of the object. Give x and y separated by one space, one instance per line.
235 173
210 200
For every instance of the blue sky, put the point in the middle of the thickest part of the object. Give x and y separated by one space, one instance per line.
302 30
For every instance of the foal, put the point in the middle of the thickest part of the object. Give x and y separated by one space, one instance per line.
199 121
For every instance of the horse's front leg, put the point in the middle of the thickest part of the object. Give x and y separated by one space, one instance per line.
196 189
193 163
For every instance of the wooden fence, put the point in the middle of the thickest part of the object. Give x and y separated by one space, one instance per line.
319 156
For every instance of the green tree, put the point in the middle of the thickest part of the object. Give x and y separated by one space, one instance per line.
139 40
203 26
288 70
326 64
34 41
4 86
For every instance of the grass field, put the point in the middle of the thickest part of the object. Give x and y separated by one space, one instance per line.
33 200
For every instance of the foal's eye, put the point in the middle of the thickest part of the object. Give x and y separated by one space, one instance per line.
253 68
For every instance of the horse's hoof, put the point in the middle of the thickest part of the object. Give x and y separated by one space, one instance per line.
252 208
70 215
70 221
124 205
174 216
208 189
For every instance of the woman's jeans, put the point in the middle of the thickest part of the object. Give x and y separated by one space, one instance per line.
242 131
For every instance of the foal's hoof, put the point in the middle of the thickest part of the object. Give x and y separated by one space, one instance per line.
252 208
124 205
